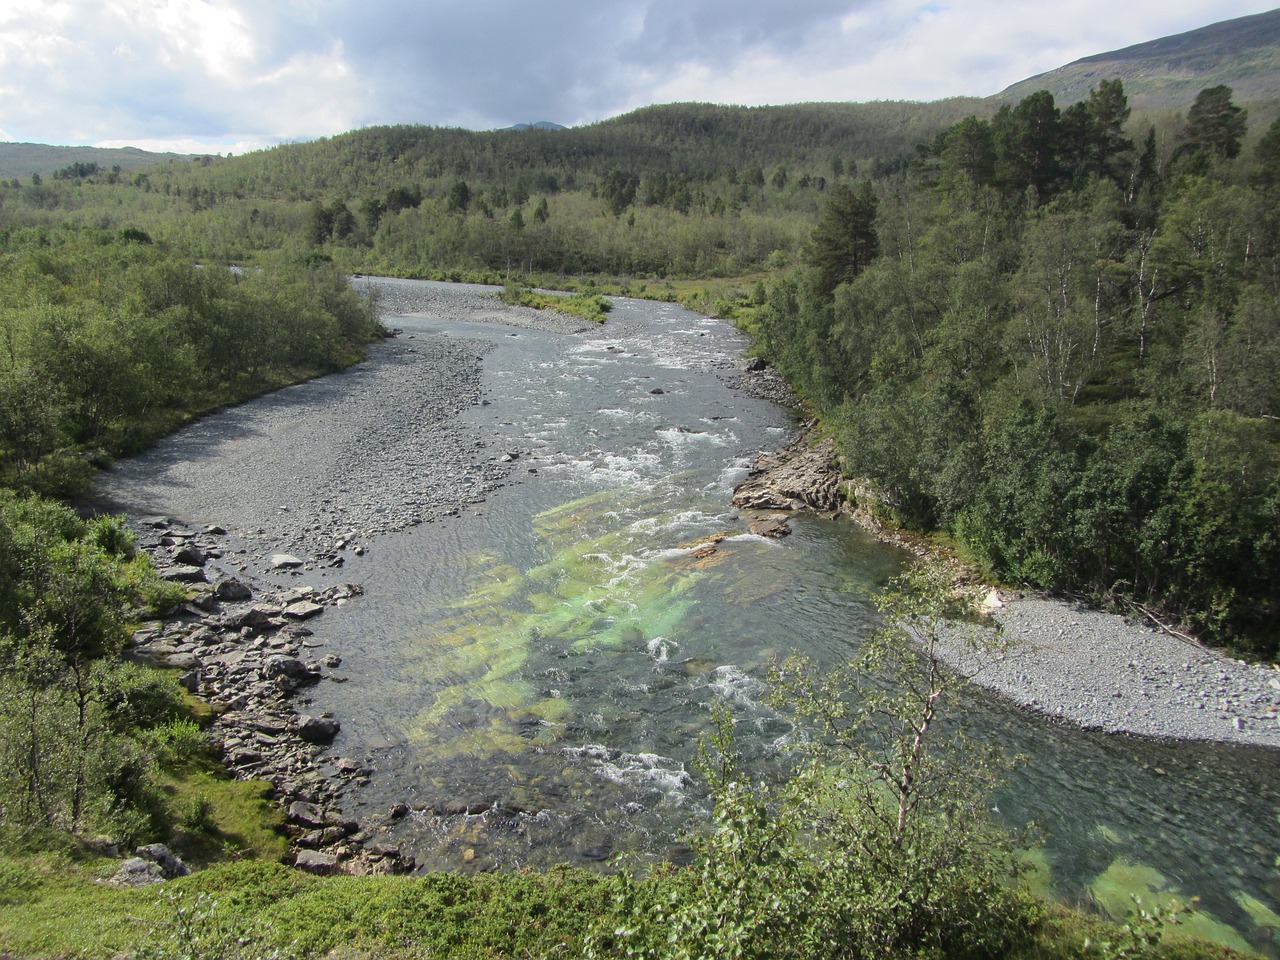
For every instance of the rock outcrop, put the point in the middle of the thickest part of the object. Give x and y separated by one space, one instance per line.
804 475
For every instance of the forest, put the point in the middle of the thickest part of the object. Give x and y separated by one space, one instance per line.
1062 349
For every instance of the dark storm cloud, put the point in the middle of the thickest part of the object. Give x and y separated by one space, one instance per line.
495 62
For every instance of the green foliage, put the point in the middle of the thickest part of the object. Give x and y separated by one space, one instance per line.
196 929
66 756
179 741
1038 360
880 844
1141 935
844 242
588 306
106 342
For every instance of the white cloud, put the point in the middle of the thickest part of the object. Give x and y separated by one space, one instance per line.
226 73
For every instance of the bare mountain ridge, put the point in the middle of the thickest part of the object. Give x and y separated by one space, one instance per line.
1243 54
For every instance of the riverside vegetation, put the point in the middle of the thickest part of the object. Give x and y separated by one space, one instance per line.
1056 346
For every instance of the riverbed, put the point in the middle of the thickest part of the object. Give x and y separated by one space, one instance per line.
541 637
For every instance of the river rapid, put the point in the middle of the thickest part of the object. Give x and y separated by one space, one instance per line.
530 673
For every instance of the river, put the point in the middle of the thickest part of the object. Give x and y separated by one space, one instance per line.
555 649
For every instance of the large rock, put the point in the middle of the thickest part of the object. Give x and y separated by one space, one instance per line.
183 573
312 861
172 867
258 617
318 729
285 561
229 588
804 475
306 814
137 872
279 665
303 610
191 555
773 527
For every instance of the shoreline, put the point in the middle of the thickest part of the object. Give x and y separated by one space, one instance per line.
370 450
1094 669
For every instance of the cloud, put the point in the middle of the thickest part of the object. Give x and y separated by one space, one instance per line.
232 74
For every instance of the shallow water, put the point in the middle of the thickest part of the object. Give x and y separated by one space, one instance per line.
557 648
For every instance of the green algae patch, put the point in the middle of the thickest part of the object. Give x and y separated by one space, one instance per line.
1124 882
495 661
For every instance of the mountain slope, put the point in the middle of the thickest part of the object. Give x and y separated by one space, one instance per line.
1243 53
23 159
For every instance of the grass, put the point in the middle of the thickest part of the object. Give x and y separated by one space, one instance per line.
587 306
51 906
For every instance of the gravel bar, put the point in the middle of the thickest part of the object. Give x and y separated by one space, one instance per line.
320 469
1104 671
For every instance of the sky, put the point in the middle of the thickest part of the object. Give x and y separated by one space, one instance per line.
227 76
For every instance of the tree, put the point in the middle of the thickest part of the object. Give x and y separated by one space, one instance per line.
968 150
1027 141
459 196
844 242
881 844
1215 126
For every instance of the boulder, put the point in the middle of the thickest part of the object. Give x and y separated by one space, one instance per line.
229 588
303 610
313 861
284 561
318 730
258 617
306 815
183 573
773 527
137 872
171 866
278 665
191 555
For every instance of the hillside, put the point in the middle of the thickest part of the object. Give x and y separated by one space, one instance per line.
24 159
1243 54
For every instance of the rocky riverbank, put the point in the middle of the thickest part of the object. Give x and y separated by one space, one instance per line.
262 539
1095 669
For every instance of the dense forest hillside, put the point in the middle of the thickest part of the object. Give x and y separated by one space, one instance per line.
1167 73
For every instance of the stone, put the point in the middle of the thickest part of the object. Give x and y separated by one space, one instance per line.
303 610
229 588
775 528
158 853
284 561
278 665
137 872
191 555
258 617
312 861
306 814
183 573
800 476
318 730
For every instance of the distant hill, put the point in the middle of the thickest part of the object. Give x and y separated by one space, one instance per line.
1160 74
23 159
538 125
